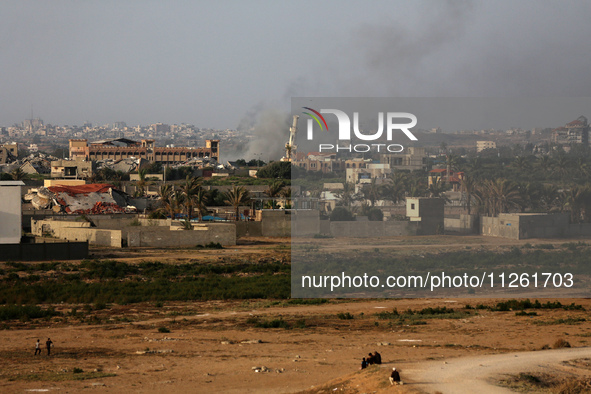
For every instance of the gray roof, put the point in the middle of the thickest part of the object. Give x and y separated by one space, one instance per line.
12 183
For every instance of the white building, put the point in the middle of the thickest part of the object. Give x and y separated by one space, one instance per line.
10 212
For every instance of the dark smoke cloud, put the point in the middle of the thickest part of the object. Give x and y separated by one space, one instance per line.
456 49
270 127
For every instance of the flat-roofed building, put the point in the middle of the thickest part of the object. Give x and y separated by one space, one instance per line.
482 145
122 148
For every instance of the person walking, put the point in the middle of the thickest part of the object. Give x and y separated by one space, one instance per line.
48 344
37 347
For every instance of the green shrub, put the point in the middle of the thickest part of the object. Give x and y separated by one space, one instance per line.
375 215
276 323
341 214
345 316
14 312
163 330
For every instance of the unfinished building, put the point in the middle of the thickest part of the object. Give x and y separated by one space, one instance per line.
123 148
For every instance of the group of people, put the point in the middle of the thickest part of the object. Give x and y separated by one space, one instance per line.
375 358
48 345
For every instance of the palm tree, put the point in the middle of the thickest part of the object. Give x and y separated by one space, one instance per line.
18 174
346 195
177 201
236 197
521 163
286 194
545 163
394 190
141 183
577 200
274 190
474 165
416 188
166 205
498 196
550 198
562 166
530 195
468 186
451 163
201 200
437 188
371 191
583 167
189 190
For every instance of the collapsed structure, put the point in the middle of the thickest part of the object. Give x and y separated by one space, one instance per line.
83 199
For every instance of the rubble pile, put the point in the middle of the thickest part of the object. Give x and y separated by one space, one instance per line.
83 199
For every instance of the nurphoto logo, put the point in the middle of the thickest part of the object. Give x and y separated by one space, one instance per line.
393 125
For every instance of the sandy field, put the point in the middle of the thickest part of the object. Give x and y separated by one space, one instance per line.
220 346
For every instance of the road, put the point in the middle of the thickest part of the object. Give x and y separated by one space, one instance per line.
471 374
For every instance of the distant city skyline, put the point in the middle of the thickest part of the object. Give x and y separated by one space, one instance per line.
224 64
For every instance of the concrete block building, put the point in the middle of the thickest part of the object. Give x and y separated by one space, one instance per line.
10 212
428 212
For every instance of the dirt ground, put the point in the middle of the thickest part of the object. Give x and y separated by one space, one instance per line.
216 347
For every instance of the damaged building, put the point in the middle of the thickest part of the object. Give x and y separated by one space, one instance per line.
72 169
123 148
81 199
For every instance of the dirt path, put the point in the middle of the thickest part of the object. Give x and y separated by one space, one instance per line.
472 374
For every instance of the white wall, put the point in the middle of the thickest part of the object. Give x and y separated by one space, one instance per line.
10 212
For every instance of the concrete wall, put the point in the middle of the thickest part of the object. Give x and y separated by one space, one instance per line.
162 237
524 226
428 212
112 238
10 212
112 222
44 251
249 229
369 229
276 223
579 230
543 226
159 235
307 223
495 227
77 231
461 224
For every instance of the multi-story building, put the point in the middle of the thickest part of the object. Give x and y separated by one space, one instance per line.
316 161
575 132
367 173
122 148
72 169
482 145
8 153
414 159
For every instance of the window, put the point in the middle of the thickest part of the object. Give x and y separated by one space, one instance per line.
412 206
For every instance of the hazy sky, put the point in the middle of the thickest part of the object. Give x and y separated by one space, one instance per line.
211 62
